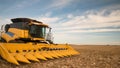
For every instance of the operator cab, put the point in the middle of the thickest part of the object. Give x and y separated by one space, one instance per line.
36 29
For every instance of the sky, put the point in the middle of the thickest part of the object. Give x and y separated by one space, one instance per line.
72 21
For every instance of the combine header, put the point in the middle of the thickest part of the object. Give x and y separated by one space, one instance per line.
26 40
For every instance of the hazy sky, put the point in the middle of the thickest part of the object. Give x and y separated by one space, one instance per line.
73 21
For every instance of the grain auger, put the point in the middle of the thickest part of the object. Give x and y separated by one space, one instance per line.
26 40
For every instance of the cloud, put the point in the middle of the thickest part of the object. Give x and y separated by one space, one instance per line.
92 30
60 3
4 21
112 7
21 4
26 3
92 20
48 20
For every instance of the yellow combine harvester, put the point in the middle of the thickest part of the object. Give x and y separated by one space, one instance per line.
26 40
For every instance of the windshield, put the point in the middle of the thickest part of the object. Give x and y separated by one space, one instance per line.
37 31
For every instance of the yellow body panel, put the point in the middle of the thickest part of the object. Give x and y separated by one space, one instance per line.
19 32
8 37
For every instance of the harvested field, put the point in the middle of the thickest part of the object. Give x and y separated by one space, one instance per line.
91 56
